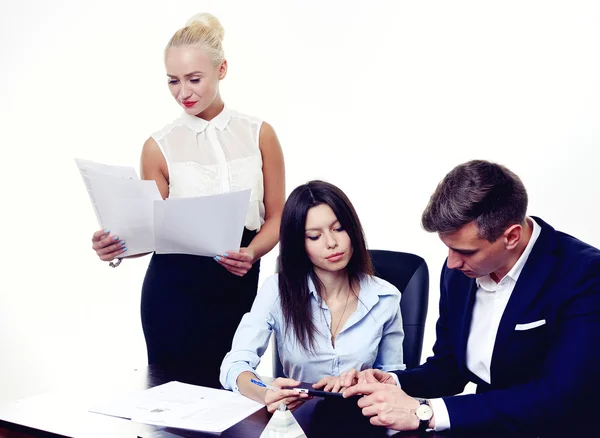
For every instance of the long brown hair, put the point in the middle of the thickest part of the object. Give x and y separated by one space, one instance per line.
295 266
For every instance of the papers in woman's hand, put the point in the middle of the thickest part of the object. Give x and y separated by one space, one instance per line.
201 226
134 210
122 202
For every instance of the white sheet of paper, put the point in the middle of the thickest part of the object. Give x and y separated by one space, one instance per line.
123 203
134 210
206 226
87 167
184 406
129 214
90 169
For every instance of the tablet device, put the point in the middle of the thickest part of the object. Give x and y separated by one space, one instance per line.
317 393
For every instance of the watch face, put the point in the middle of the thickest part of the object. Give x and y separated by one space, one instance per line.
424 412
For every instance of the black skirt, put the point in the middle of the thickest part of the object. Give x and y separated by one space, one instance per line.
191 307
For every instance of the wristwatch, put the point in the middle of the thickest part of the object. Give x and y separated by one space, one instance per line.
424 414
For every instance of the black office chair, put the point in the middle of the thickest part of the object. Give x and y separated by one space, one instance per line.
409 273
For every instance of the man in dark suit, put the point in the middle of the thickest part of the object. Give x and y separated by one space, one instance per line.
519 316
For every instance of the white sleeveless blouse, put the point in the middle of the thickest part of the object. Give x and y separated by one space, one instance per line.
213 157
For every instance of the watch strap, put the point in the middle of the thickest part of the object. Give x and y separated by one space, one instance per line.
423 424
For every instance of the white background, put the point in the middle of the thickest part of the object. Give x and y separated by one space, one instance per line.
379 98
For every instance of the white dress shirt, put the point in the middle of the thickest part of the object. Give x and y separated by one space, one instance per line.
370 338
491 299
213 157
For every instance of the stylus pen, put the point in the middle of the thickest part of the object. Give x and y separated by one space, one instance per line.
264 385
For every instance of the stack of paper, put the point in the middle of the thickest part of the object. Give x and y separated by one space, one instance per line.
134 210
183 406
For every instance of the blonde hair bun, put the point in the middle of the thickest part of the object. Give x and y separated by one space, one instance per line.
210 21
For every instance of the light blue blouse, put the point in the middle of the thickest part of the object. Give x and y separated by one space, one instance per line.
371 338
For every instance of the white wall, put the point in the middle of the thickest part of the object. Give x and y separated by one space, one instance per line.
380 98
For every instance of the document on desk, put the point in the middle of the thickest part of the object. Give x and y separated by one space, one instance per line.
134 210
183 406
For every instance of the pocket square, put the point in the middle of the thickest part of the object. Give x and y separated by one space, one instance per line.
530 325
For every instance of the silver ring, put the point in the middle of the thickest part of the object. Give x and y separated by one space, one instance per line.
115 264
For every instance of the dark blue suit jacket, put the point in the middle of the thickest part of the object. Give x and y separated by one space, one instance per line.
543 380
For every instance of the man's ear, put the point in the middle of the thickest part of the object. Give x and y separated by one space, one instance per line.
512 236
223 70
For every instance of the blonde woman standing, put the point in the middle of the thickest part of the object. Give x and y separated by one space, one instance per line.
191 305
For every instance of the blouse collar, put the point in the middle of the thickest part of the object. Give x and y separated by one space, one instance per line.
198 124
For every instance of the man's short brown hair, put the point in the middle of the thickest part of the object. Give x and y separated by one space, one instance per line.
477 191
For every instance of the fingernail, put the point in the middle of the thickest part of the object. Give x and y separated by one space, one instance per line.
122 242
106 231
217 258
225 254
116 238
124 249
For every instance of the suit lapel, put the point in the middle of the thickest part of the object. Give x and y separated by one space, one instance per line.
465 319
538 267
